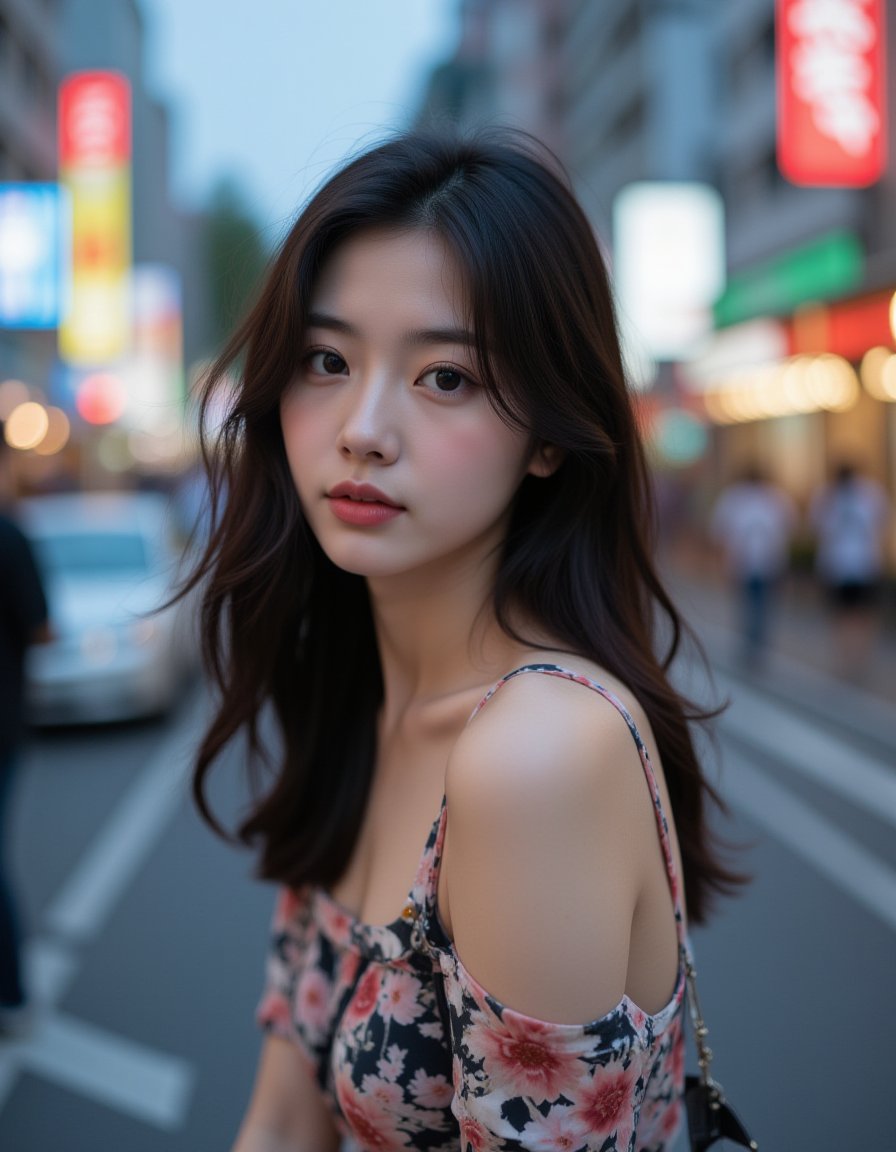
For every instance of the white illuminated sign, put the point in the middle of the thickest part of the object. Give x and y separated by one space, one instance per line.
669 263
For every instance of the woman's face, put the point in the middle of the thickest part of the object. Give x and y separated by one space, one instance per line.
400 462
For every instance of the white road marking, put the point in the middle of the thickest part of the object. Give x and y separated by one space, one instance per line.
811 836
776 731
109 1069
127 839
52 967
861 705
112 1070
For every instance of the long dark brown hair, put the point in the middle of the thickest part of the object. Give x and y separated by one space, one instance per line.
284 626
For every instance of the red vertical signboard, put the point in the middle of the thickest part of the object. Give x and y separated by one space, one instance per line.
95 166
94 120
831 84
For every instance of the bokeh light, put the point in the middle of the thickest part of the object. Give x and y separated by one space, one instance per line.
801 384
100 398
888 379
679 437
878 373
26 425
57 434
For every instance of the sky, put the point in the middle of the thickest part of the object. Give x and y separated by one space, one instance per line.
277 92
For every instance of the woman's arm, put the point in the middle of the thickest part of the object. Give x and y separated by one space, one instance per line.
286 1112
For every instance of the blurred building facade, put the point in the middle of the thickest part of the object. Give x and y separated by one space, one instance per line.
29 70
621 91
640 96
684 90
816 265
30 67
507 67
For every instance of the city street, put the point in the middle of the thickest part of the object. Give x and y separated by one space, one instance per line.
485 260
147 934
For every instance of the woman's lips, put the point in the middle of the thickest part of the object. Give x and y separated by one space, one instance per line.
357 491
363 512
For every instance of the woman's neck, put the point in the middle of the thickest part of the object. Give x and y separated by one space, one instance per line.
436 637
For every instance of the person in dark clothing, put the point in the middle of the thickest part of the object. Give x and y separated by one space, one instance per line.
23 620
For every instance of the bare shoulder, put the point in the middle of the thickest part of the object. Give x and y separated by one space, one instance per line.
548 837
547 730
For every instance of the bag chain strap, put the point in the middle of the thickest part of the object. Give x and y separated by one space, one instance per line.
714 1095
700 1030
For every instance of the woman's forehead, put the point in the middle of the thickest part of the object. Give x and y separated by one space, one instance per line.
411 270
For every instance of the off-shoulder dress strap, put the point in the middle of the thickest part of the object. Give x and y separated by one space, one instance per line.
661 821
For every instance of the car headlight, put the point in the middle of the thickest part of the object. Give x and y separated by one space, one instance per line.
143 632
99 645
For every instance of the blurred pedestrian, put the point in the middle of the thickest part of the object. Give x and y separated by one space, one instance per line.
753 522
850 519
23 621
434 565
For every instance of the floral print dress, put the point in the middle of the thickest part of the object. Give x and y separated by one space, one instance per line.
362 1003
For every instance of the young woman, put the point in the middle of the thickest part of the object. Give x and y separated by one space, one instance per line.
434 563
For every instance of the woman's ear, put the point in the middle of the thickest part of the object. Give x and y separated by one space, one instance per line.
545 460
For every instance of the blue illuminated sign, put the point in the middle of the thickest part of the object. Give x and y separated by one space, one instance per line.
34 230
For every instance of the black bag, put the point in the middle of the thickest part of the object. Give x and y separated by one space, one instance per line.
710 1117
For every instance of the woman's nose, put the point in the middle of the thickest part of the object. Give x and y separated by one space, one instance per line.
369 431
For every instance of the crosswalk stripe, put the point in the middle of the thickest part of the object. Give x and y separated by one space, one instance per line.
808 834
109 1069
128 837
775 731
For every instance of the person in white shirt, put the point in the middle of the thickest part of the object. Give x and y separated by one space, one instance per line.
753 522
850 518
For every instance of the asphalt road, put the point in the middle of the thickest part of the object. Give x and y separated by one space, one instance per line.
147 939
147 935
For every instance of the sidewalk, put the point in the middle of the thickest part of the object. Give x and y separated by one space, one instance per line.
800 665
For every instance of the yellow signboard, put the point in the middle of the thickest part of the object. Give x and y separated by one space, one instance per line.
96 327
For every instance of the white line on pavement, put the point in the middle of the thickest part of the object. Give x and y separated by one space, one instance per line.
827 691
109 1069
112 1070
51 966
128 837
791 739
818 841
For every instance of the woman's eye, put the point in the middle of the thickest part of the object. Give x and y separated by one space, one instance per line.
326 363
445 380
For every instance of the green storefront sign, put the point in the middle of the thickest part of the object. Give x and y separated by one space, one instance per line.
824 269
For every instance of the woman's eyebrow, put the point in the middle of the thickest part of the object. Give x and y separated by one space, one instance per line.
441 336
416 337
322 320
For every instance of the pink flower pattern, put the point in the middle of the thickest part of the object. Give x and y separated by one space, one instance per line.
313 995
360 1001
520 1051
562 1130
399 997
431 1091
391 1066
